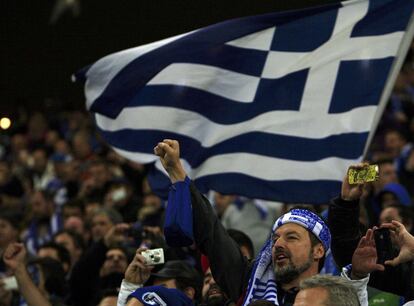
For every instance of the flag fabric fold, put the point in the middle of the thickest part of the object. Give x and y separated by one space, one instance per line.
275 106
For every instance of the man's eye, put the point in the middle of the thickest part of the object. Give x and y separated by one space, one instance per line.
292 237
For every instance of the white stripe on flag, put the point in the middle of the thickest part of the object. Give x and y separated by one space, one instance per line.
231 85
289 123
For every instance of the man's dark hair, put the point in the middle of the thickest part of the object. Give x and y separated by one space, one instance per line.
184 275
314 242
195 283
62 252
76 237
13 217
118 246
242 240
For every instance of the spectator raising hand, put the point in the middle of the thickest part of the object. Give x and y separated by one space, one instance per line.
364 260
352 192
404 240
14 257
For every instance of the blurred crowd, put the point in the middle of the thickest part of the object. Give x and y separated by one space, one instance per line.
81 210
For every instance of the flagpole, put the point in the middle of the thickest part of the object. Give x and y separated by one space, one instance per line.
395 69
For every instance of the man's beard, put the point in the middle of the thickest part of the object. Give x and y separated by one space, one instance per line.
215 300
290 272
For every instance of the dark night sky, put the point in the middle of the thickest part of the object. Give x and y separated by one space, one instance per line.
37 59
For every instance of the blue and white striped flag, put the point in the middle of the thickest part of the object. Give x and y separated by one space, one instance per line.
273 107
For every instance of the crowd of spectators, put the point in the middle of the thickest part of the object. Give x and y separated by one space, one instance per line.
81 211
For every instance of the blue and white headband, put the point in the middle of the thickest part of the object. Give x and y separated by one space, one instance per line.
308 220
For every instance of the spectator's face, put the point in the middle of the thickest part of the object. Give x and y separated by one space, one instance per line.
152 200
67 242
4 173
211 293
48 252
61 146
76 224
293 254
37 126
388 214
40 206
387 199
100 175
18 143
8 233
39 161
394 143
101 224
312 297
115 262
81 146
52 138
71 211
387 174
221 202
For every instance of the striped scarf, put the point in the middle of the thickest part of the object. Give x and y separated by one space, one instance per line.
262 284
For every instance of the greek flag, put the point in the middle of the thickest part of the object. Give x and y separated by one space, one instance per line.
274 107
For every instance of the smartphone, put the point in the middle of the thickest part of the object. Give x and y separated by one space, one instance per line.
383 244
9 283
366 174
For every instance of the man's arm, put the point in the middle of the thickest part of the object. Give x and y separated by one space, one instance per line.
228 266
364 262
14 258
343 221
136 275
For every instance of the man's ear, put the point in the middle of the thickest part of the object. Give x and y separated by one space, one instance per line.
318 251
190 292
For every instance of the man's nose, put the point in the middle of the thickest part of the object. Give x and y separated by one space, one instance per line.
279 243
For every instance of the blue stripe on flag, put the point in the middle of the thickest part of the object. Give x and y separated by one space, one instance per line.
379 21
346 146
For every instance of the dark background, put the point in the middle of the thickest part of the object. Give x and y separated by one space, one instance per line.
38 58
